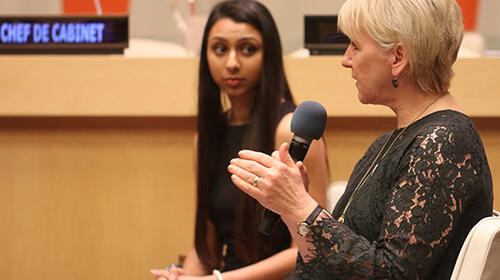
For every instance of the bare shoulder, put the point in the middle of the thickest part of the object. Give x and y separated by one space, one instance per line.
283 132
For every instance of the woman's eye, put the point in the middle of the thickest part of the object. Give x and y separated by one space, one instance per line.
219 49
248 49
354 46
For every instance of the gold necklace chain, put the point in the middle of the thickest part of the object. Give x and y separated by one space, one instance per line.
365 176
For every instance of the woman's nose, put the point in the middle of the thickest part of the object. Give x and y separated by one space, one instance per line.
347 58
232 63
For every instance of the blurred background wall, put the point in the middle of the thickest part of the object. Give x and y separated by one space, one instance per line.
152 19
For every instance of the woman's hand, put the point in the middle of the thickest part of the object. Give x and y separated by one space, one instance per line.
187 277
280 185
170 273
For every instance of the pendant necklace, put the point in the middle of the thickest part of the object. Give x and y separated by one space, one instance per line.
374 163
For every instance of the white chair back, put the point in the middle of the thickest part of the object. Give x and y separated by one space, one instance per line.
479 258
333 192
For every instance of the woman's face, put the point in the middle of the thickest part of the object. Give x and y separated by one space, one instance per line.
234 54
371 68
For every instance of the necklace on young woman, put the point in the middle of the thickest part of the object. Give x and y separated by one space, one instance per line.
374 163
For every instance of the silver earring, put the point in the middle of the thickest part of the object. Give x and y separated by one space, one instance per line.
395 82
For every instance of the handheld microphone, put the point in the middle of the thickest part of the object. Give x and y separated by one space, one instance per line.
308 123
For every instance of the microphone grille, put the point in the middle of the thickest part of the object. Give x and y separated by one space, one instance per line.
309 120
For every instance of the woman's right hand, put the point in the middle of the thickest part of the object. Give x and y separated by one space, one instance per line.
170 273
275 181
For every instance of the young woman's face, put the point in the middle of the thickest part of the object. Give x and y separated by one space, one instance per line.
234 54
371 68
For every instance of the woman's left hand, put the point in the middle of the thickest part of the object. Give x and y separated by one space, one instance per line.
172 272
280 185
188 277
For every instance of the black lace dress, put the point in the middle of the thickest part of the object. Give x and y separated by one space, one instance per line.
412 215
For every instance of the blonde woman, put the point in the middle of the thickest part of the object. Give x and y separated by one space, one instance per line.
419 189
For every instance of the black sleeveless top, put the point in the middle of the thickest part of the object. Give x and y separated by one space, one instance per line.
225 196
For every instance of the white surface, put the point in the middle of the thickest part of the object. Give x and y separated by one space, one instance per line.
334 192
153 48
480 255
473 45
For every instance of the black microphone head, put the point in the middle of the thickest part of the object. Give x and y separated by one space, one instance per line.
309 120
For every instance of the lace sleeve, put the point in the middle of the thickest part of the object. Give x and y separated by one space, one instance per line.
422 211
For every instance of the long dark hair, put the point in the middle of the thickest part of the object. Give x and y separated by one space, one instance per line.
264 117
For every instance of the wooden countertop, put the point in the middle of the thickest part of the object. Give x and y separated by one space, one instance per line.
116 86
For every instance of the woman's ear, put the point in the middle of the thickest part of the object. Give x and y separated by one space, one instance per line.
400 60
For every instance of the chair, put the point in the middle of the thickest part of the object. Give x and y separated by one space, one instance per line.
479 258
333 193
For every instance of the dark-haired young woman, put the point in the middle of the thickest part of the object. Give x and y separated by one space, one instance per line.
241 64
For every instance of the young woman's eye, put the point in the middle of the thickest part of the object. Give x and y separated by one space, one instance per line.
248 49
219 49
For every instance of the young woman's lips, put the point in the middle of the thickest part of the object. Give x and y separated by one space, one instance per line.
233 82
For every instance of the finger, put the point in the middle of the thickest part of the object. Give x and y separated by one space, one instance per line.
252 167
259 157
246 187
175 272
285 156
302 167
159 272
276 155
246 176
303 173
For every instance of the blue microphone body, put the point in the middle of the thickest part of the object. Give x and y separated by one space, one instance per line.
308 123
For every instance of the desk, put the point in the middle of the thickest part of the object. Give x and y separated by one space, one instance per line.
96 155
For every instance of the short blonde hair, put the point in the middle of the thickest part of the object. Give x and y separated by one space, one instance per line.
431 32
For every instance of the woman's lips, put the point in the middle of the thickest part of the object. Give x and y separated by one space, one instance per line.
233 82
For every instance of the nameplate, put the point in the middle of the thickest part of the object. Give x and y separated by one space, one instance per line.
322 37
63 34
